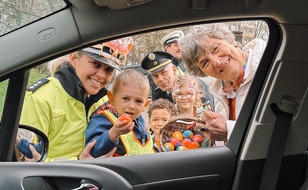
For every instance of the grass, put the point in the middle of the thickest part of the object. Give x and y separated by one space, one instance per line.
34 76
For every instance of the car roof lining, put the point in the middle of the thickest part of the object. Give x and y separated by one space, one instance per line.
31 49
120 4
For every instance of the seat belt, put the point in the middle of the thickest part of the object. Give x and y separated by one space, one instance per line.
276 149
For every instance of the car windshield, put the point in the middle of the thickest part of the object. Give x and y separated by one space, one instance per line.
18 13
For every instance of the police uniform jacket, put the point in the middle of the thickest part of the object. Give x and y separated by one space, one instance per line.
57 106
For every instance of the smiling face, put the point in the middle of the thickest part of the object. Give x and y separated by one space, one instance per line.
93 75
221 60
159 118
185 98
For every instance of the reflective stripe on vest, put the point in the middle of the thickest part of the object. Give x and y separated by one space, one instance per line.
131 144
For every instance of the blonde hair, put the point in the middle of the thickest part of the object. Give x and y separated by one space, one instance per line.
132 79
54 65
180 80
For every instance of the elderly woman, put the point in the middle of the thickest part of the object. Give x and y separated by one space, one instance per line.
211 50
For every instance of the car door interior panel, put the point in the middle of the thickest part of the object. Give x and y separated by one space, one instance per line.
120 173
215 173
59 176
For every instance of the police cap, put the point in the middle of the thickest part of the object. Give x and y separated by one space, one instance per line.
157 61
171 37
102 54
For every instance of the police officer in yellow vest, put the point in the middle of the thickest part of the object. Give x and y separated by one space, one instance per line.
60 105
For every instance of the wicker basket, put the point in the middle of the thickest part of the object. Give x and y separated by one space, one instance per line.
182 123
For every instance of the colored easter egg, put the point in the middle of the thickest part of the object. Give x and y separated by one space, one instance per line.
187 134
169 147
197 138
181 148
194 145
125 117
186 142
175 142
178 135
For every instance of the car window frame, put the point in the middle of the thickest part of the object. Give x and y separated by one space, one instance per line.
233 144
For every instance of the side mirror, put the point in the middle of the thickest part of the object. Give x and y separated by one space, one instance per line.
29 135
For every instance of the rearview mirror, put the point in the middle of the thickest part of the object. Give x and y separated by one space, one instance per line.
26 136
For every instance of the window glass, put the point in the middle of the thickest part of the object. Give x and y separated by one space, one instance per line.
245 33
35 74
17 13
251 37
3 90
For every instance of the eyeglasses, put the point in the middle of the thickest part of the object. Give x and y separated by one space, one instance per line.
181 96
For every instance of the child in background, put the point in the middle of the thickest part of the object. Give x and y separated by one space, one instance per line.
186 95
129 96
160 111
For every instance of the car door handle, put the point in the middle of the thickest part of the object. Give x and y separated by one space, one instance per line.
86 186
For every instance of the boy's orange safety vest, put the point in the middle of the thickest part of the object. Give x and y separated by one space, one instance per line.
131 144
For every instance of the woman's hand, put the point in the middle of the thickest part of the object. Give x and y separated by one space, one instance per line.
17 139
85 155
216 126
35 154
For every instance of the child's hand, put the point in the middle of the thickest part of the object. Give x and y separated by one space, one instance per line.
122 126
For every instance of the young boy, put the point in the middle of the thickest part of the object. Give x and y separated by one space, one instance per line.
129 96
160 111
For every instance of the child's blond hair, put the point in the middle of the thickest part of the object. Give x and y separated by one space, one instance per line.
180 80
132 79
